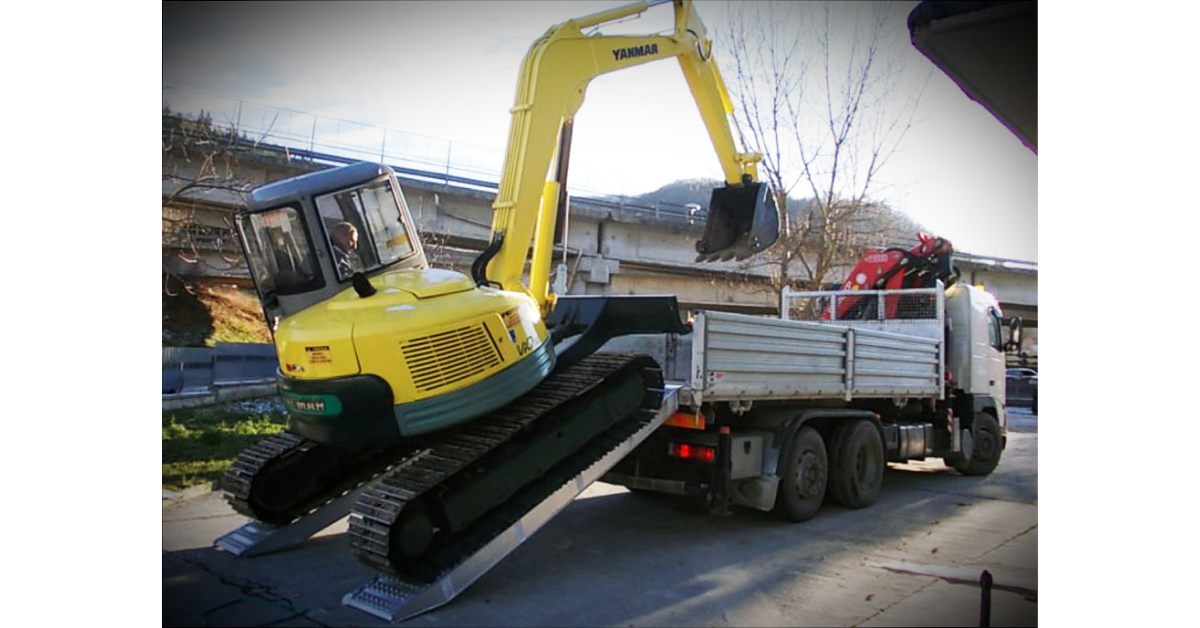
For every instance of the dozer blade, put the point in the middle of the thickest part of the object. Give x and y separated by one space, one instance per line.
742 220
593 320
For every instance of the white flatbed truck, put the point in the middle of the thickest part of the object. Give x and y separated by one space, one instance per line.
776 412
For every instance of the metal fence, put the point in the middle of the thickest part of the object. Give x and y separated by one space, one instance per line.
918 305
198 370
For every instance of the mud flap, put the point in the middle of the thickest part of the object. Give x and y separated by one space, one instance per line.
742 220
593 320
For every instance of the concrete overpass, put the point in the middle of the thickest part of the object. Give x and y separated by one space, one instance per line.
613 248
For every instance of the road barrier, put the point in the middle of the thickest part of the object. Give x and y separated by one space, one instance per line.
196 376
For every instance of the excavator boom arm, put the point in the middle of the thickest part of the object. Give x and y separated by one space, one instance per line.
553 79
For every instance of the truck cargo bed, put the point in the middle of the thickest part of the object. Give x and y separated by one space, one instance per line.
737 357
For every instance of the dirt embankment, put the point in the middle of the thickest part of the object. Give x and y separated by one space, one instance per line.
201 314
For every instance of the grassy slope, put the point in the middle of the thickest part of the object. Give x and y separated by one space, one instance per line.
198 445
203 314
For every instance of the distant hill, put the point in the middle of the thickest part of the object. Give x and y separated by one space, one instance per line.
679 194
883 225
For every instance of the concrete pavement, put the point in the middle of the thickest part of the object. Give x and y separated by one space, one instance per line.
616 558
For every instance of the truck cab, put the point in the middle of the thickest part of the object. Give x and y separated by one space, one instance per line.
975 350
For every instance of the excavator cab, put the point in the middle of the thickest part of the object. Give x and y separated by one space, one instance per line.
306 238
742 221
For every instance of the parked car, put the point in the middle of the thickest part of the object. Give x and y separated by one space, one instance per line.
1022 387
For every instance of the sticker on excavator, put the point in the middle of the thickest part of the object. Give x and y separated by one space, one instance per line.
319 405
318 355
512 318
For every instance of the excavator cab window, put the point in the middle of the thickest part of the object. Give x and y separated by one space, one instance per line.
279 253
372 214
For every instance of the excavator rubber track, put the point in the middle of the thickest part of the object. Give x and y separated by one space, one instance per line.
284 477
578 414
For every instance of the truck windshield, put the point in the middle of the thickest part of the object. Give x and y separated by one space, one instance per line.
364 228
278 251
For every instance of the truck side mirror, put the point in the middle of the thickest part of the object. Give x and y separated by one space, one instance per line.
1015 330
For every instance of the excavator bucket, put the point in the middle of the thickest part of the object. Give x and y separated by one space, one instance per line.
742 221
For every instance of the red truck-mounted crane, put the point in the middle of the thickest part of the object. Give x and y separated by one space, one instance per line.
896 269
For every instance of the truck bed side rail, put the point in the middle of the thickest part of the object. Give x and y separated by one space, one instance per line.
737 357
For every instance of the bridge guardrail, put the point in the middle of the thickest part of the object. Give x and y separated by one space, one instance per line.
198 370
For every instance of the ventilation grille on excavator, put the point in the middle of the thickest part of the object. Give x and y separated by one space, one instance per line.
439 360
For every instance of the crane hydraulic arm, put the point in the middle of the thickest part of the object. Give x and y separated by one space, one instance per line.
554 76
927 263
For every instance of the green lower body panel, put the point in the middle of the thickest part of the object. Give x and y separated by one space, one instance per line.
341 412
478 399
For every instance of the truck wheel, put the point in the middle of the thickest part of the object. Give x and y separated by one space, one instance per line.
856 465
985 452
805 474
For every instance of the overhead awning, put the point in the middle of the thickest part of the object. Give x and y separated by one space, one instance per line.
990 50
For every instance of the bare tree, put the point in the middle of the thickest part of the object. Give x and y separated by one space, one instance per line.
819 90
203 186
199 163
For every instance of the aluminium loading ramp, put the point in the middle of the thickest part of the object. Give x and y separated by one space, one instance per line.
392 598
257 538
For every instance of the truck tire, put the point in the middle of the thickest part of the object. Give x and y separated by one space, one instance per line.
986 447
856 465
804 476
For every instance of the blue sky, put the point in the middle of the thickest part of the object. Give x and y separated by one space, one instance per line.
448 70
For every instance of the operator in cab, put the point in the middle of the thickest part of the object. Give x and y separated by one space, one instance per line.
344 237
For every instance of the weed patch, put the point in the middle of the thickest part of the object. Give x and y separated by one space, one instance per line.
199 445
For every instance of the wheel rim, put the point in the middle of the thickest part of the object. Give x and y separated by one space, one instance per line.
809 475
865 468
985 445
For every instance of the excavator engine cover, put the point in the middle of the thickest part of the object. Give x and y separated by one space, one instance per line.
742 220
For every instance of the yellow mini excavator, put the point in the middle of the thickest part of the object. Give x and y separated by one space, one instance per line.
468 387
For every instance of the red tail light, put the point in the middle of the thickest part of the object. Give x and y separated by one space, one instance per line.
692 452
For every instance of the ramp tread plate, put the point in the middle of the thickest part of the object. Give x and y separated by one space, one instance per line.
391 599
